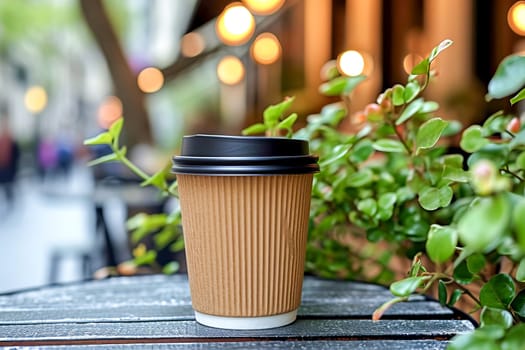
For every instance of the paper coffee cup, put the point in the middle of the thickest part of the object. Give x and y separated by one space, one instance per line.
245 206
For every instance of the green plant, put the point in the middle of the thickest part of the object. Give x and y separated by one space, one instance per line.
163 227
459 217
395 188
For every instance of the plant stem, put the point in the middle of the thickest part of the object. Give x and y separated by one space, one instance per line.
132 166
508 171
467 292
400 137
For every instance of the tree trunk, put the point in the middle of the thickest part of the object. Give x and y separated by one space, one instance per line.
136 127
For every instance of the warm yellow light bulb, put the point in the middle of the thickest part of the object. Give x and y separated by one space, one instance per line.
263 7
516 18
235 25
150 80
192 44
351 63
266 49
35 99
230 70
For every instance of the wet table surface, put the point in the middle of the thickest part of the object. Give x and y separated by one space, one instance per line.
154 312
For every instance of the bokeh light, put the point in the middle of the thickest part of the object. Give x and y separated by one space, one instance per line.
109 111
410 61
235 25
266 49
192 44
263 7
150 80
230 70
35 99
351 63
516 17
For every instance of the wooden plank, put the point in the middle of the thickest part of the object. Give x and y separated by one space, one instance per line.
149 290
166 312
304 345
190 330
160 312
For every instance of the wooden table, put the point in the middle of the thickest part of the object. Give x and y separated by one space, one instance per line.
154 312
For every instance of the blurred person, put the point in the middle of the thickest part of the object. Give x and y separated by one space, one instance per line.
65 154
9 154
47 157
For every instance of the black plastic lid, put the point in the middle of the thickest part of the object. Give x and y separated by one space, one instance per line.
243 155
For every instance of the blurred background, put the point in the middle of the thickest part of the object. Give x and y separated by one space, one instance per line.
70 68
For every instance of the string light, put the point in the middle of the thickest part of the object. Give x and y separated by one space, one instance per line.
235 25
230 70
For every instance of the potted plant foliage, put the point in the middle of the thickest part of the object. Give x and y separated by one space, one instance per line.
396 189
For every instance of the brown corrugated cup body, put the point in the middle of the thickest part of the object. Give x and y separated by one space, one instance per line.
245 205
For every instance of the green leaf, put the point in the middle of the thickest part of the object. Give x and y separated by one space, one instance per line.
407 286
337 153
441 243
519 97
495 122
429 133
490 316
442 293
518 304
359 179
170 268
476 263
389 146
453 160
352 82
333 87
116 128
158 180
104 159
498 292
361 151
397 95
177 246
340 85
453 128
509 77
432 198
455 174
101 139
472 139
462 274
438 49
333 113
520 161
429 107
273 113
387 200
484 223
514 338
472 340
288 122
368 206
146 259
258 128
454 297
518 220
422 68
520 273
411 91
410 111
519 139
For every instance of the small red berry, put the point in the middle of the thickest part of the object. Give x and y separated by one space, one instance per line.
514 125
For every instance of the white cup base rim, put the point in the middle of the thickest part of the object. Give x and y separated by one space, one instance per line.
258 322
